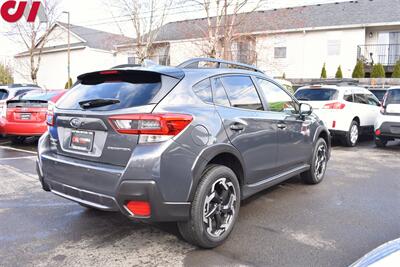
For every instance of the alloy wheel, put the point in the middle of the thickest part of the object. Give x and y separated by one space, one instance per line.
219 207
321 162
354 134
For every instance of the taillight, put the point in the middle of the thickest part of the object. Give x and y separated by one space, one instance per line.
378 132
50 114
335 105
151 127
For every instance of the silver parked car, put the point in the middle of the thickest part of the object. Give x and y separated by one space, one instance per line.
182 144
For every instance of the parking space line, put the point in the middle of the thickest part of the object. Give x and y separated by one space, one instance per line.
29 157
19 150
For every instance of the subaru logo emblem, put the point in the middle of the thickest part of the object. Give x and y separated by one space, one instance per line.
76 123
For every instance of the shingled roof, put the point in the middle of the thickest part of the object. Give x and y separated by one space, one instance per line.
97 39
340 14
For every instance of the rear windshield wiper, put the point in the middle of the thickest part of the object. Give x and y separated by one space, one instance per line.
96 103
303 99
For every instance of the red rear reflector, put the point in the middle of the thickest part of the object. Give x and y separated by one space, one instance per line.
335 105
139 208
334 124
378 132
109 72
152 124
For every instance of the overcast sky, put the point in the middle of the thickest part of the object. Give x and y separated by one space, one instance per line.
95 14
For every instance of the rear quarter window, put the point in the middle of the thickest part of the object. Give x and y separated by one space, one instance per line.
317 94
203 91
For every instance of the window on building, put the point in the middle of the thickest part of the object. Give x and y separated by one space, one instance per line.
280 52
334 47
242 92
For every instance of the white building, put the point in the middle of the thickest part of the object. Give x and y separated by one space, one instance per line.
296 41
90 50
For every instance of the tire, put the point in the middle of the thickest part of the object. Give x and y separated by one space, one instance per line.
18 140
212 197
316 173
380 142
349 139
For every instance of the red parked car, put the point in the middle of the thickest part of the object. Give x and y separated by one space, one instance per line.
25 115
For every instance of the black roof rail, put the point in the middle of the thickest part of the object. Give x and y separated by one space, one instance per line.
338 82
220 64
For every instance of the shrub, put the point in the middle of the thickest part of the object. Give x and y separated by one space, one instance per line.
396 70
5 75
378 71
68 84
323 72
339 73
358 71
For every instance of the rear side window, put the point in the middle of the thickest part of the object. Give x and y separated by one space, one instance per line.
348 98
361 99
129 91
3 94
242 92
393 97
320 94
219 94
203 91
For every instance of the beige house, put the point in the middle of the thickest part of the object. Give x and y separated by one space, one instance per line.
295 41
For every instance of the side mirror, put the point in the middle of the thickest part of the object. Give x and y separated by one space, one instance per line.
305 109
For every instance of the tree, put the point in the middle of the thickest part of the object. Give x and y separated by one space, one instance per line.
339 73
358 71
35 36
396 70
5 74
323 72
147 18
223 18
68 84
378 71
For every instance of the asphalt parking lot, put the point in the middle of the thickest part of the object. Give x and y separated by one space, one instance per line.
353 211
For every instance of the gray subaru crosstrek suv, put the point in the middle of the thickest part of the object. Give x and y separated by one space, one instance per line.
184 144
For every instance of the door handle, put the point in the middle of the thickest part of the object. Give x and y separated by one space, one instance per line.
281 125
237 127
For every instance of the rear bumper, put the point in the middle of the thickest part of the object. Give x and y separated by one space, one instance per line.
104 189
390 129
22 128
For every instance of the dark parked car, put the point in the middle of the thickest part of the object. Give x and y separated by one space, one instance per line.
183 144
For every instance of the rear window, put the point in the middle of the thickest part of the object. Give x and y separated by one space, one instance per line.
3 94
129 89
379 94
38 96
321 94
393 97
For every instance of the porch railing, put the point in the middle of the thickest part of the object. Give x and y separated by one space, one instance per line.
386 54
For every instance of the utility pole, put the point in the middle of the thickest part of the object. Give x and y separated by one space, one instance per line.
69 48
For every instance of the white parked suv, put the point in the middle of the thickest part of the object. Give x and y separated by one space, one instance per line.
347 110
387 125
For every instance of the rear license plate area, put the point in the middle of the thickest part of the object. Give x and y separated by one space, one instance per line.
25 116
82 140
